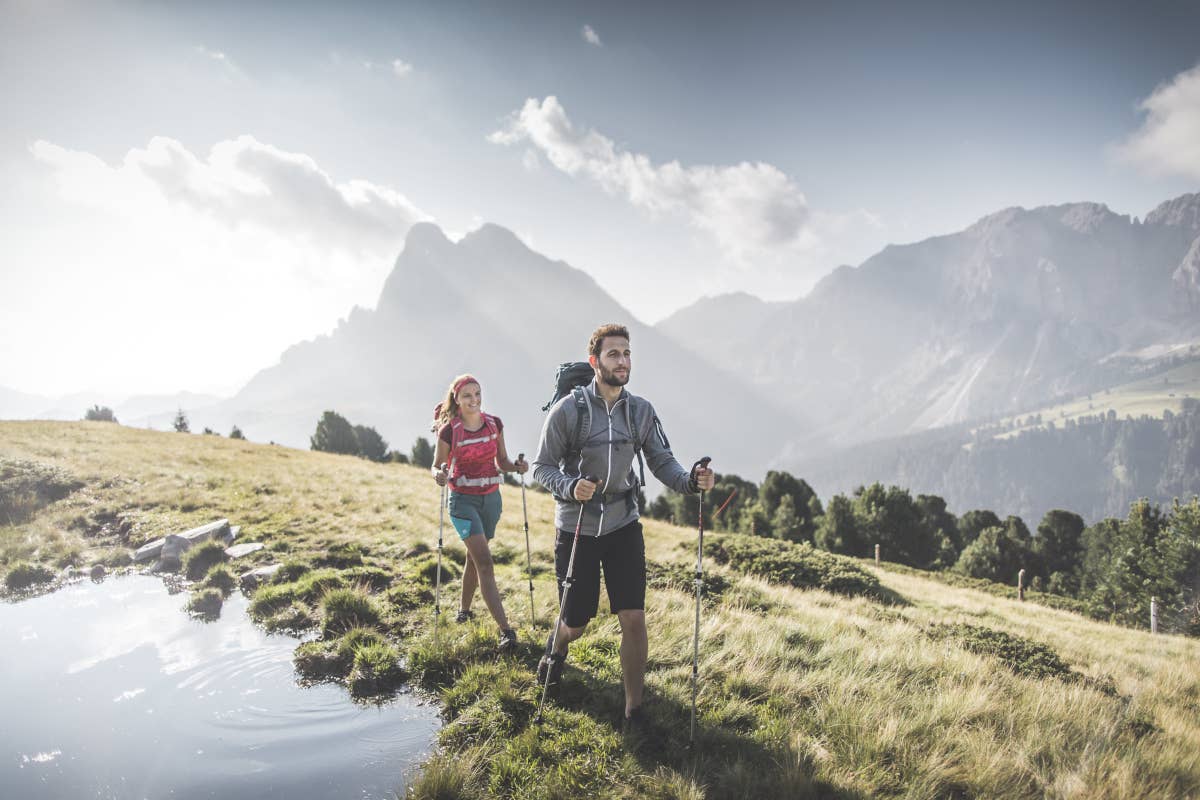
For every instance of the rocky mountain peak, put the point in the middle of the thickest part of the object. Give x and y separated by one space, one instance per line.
1182 212
1087 217
425 236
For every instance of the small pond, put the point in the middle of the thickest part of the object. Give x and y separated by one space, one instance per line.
110 690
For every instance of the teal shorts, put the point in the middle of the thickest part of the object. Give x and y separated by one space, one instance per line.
475 513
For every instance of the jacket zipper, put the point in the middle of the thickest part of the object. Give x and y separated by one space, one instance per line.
607 473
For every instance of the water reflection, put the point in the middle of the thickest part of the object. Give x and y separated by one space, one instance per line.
111 691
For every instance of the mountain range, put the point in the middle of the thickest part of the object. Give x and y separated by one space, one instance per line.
490 306
1023 307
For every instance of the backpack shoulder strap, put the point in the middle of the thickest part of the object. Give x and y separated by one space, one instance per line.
636 436
583 409
490 423
456 437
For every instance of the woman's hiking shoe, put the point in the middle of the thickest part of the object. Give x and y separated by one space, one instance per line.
464 615
550 669
508 640
635 723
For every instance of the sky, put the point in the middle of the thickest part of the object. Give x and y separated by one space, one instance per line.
190 188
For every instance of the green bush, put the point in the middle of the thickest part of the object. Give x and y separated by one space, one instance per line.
1023 656
23 575
424 569
376 578
341 556
319 661
222 579
200 559
294 618
346 608
681 578
290 571
271 598
26 486
376 669
206 603
798 565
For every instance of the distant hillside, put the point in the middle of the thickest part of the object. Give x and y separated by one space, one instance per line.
139 410
1094 466
1021 307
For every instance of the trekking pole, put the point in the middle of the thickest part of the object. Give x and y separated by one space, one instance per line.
562 604
528 558
437 593
702 464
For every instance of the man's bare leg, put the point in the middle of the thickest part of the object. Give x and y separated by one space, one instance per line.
634 648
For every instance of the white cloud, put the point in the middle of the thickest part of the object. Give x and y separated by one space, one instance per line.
591 37
244 182
748 207
221 58
401 68
187 270
1168 141
215 55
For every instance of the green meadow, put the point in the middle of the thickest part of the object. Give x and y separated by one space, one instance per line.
820 676
1149 397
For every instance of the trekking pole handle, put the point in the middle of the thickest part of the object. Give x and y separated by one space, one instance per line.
590 479
701 464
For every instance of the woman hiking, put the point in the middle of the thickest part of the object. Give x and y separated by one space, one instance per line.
471 456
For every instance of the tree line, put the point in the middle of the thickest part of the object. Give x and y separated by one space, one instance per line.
1113 567
336 434
1096 465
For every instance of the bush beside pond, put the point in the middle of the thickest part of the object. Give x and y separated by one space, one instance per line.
22 575
199 559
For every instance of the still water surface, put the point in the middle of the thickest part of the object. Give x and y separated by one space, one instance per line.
111 691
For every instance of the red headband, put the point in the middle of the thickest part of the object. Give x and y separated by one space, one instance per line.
461 382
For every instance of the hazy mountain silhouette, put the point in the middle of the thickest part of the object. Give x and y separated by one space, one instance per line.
1018 308
491 306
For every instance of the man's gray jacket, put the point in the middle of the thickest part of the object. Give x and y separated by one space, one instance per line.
606 451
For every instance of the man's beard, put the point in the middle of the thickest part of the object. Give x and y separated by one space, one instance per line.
610 378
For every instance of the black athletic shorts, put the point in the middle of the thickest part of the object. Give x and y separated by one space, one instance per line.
622 553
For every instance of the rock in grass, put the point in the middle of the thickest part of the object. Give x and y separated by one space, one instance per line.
149 550
239 550
176 544
252 578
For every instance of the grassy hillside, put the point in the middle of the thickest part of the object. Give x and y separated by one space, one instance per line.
910 689
1145 397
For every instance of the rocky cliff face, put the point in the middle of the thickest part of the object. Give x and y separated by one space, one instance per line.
1022 306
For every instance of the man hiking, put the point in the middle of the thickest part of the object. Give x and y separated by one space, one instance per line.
596 430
